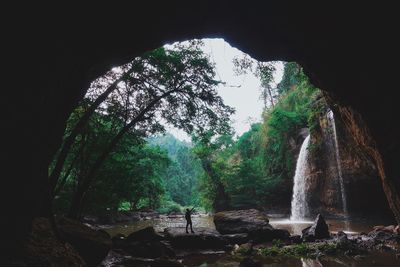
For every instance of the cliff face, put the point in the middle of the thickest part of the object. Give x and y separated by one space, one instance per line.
363 192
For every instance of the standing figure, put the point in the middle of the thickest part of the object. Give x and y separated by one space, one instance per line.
189 220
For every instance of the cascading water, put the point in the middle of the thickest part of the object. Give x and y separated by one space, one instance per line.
331 120
299 198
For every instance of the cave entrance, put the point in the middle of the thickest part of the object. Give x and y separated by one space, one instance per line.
115 159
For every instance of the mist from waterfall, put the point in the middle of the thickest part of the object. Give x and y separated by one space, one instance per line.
331 120
299 199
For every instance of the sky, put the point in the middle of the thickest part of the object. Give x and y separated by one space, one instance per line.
240 92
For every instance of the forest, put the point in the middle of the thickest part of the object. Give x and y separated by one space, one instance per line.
117 156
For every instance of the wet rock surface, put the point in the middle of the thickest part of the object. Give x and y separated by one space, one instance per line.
42 248
147 234
174 247
92 245
236 238
252 222
240 221
120 258
145 243
201 238
319 230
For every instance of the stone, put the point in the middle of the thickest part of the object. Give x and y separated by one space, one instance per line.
381 236
378 227
147 234
236 238
92 245
252 222
319 230
120 258
43 248
397 229
342 241
240 221
359 257
118 241
201 238
150 250
296 239
244 249
249 262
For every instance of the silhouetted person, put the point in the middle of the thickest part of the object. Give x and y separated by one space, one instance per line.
189 220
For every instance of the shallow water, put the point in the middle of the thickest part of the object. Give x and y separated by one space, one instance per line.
203 220
349 227
372 260
161 223
216 259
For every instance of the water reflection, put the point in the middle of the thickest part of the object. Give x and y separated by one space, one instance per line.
310 263
224 259
203 220
161 223
295 227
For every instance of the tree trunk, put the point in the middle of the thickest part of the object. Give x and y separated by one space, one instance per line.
69 141
79 197
270 96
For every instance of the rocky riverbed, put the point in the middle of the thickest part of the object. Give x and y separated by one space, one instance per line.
245 238
232 238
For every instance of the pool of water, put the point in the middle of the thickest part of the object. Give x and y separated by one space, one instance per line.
215 258
159 224
375 259
349 227
204 220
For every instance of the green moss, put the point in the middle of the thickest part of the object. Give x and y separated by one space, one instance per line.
304 250
328 248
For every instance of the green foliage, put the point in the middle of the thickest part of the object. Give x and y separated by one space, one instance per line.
170 207
129 175
181 176
257 169
174 86
298 251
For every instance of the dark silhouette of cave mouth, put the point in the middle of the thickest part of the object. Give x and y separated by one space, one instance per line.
337 46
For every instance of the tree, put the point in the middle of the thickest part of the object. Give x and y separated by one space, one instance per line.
213 184
181 176
174 86
264 71
257 169
131 174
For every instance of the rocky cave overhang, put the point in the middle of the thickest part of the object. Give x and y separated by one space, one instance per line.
348 51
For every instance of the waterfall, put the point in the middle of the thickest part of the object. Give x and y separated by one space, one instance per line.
331 120
299 198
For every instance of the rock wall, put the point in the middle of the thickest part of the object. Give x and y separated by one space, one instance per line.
363 190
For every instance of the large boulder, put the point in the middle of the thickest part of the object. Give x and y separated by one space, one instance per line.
145 243
147 234
252 222
202 238
92 245
43 248
319 230
237 238
150 250
120 258
240 221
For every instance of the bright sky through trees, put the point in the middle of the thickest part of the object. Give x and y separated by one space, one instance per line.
240 92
